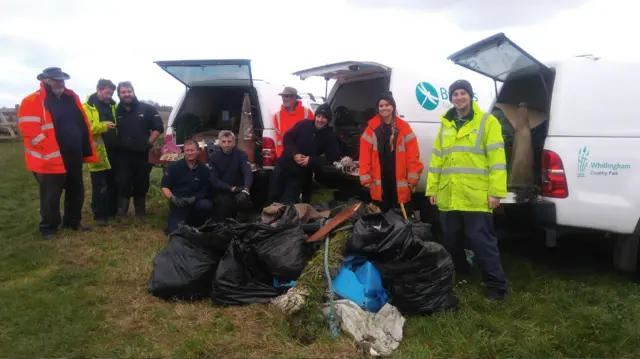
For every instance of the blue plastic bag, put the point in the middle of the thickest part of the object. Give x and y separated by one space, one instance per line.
360 282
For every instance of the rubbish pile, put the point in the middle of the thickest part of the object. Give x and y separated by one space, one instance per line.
360 278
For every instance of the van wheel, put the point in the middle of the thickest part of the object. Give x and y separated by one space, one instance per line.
626 253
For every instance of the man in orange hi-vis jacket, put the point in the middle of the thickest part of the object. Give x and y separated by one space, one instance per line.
291 112
57 141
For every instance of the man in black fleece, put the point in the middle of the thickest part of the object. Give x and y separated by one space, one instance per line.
139 126
308 146
231 178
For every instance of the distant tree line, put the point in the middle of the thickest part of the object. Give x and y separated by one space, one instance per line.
157 106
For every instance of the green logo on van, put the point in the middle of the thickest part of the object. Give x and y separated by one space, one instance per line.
427 96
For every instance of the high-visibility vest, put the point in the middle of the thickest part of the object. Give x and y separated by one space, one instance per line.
468 164
408 164
97 129
284 121
42 154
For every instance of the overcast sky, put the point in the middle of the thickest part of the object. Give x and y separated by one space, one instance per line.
120 39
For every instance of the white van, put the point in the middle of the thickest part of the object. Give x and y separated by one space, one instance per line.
590 160
212 101
421 96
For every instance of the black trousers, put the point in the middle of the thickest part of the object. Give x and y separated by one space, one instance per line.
195 214
285 187
104 200
478 226
132 174
231 205
51 188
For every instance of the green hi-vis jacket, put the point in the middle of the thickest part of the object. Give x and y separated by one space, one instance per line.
97 129
468 164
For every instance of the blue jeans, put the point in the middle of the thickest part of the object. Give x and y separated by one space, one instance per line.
194 215
478 226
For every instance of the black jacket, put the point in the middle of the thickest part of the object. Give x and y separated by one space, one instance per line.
230 170
321 145
136 124
187 182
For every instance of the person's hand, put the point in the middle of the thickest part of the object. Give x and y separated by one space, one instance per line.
177 201
233 189
494 202
304 162
110 124
412 187
298 158
432 200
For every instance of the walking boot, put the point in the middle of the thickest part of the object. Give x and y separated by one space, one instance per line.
139 203
123 208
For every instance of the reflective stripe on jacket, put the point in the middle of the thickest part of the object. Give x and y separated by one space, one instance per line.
42 154
408 164
284 121
468 165
97 129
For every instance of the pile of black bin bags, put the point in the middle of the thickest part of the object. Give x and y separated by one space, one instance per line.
236 263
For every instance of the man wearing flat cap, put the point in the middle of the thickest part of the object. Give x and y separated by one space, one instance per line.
57 141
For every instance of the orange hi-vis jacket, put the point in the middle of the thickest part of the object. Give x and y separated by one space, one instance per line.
408 165
284 121
42 153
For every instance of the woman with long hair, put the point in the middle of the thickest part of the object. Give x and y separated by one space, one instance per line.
389 157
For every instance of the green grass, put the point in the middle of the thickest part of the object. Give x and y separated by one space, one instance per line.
85 295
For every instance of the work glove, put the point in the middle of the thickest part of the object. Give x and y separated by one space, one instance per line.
237 190
177 201
246 191
189 200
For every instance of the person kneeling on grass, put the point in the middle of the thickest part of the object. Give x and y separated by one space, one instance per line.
187 185
231 179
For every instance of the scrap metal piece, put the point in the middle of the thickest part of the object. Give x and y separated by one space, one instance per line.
334 222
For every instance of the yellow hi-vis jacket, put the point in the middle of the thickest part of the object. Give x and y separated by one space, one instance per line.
468 164
97 129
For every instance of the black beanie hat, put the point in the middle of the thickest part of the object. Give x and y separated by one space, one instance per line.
461 85
387 96
324 110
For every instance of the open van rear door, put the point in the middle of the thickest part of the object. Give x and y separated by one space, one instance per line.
342 70
209 72
498 58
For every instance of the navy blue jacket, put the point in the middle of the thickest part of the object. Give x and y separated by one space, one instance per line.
321 145
230 170
187 182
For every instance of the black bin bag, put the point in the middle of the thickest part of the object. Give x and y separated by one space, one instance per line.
257 254
418 274
184 269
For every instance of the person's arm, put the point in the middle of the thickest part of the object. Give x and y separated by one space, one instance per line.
85 128
435 166
165 183
30 125
494 147
414 165
330 155
156 126
290 141
366 151
97 127
247 175
216 181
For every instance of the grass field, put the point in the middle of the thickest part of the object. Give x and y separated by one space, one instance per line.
85 295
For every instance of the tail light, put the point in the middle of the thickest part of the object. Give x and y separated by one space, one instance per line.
554 180
268 152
